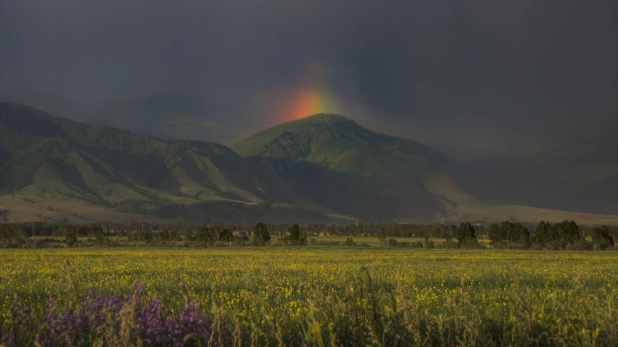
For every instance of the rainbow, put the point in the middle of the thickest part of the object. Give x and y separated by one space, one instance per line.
302 103
309 97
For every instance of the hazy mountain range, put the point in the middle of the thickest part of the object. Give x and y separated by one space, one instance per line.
172 115
579 176
324 168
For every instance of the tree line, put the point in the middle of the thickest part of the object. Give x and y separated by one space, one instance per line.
563 235
511 235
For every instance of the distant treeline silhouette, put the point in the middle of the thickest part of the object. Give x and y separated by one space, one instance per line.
507 235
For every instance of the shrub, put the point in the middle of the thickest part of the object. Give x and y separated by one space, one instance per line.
428 243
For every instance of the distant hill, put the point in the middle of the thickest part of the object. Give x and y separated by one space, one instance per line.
49 103
174 116
168 116
348 168
53 159
581 175
319 169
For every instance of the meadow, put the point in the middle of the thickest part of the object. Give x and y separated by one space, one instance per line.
308 296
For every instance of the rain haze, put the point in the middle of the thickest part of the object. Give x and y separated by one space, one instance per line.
468 77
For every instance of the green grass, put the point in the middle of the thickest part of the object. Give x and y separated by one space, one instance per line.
349 296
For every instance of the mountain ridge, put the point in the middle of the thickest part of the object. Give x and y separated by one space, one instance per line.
329 150
324 168
46 156
165 116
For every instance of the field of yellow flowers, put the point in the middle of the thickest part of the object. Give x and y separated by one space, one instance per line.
310 296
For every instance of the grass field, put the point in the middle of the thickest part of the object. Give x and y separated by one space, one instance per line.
315 296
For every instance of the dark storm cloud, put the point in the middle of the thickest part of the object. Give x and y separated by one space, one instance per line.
481 72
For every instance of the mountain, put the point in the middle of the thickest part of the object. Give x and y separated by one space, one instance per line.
49 103
348 168
174 116
580 175
52 160
324 168
167 116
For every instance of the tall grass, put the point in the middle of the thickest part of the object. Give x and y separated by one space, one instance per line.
346 297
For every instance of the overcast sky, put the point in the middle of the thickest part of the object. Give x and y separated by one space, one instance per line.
485 74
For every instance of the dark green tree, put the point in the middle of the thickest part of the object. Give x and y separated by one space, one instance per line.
302 240
495 234
519 236
567 232
261 235
70 235
601 236
100 239
466 236
295 233
226 235
382 236
545 234
510 235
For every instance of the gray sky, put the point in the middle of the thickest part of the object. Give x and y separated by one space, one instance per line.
478 74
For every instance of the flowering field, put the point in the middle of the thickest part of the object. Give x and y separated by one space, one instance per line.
313 296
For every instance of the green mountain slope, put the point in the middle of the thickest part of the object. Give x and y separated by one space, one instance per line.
51 158
348 168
